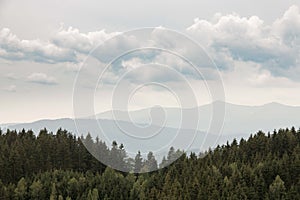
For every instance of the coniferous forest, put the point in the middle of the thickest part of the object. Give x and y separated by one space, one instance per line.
58 166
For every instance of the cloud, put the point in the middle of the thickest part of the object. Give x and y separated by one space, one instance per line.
226 38
73 67
161 46
11 88
154 66
72 38
252 74
288 27
41 78
13 48
235 38
132 63
154 73
11 76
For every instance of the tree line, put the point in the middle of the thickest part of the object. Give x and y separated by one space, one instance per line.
58 166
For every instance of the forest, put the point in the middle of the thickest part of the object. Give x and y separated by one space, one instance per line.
53 166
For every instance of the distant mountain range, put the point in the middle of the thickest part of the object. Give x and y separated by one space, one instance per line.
240 121
186 139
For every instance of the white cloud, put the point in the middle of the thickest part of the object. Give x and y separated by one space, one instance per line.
250 84
11 88
11 76
73 67
227 38
232 37
251 74
72 38
288 27
132 63
41 78
13 48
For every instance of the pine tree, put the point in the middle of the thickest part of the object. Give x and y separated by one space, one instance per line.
150 164
138 163
21 190
36 190
277 189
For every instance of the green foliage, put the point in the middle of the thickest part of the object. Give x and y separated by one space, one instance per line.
277 189
58 166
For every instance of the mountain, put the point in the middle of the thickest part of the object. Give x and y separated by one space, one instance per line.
155 133
238 119
153 138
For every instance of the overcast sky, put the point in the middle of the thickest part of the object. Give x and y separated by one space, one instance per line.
254 44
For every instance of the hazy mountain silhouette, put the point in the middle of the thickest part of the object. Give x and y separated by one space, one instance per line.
239 121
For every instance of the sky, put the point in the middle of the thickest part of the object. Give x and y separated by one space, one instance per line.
251 47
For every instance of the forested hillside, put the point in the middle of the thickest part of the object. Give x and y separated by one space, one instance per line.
57 166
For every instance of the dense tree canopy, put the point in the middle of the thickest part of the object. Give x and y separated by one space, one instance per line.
58 166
